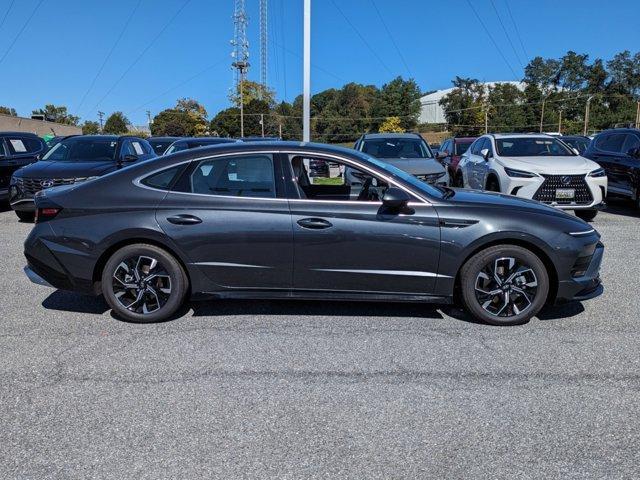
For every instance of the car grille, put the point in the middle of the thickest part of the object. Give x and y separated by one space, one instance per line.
431 177
547 191
32 186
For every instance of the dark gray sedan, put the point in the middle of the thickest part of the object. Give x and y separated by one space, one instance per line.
246 221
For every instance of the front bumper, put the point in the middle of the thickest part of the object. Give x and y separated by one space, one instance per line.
585 286
35 278
20 200
527 188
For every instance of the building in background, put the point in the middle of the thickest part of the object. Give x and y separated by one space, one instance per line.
41 128
432 112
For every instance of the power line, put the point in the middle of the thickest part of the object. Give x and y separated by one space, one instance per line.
313 65
506 34
6 14
375 7
515 25
106 59
492 39
147 48
284 57
364 40
184 82
15 39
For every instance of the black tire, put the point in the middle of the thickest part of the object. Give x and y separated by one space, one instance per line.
25 216
520 299
155 291
457 180
586 215
493 185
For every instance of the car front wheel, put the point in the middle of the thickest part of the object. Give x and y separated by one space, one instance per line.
143 283
504 285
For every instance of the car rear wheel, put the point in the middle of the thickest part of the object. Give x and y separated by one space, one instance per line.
586 215
504 285
25 216
143 283
493 185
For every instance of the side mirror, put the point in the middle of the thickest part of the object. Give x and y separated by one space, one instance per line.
575 150
485 153
442 155
129 158
395 198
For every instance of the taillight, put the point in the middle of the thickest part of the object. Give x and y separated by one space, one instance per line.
47 213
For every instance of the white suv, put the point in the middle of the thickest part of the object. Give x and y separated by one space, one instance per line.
535 166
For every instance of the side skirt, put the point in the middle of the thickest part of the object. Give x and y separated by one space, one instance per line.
323 295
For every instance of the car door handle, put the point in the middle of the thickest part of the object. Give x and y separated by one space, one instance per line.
314 223
184 220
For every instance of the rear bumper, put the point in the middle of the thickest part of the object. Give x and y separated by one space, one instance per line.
584 287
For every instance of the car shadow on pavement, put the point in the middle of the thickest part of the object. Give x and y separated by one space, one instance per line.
561 312
621 207
74 302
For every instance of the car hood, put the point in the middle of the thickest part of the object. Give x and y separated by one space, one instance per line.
45 169
416 166
550 165
499 200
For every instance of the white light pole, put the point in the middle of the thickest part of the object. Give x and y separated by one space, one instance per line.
306 74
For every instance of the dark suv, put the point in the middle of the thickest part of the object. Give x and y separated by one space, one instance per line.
17 149
74 159
451 150
618 152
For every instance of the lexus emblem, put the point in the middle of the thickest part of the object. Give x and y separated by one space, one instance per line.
46 183
566 180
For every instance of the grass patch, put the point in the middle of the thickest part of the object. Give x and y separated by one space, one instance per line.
328 181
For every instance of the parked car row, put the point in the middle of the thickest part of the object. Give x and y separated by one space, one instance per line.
569 172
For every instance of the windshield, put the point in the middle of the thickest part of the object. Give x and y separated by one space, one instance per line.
396 148
160 146
579 144
461 148
407 177
532 147
78 149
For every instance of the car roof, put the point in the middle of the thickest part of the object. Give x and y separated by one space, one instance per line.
520 135
163 139
12 134
206 139
463 139
620 130
390 135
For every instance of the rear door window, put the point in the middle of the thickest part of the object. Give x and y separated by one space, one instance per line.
17 145
237 176
632 142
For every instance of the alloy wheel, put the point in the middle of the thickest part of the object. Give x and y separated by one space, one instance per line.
506 287
141 284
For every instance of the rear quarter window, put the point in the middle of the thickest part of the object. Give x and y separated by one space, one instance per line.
165 179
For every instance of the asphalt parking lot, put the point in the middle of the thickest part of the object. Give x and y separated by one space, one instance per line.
300 389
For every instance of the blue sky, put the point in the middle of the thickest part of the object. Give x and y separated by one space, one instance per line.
58 54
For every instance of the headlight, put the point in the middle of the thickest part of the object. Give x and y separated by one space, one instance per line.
519 173
83 179
598 173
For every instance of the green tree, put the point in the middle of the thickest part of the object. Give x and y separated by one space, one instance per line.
197 112
464 106
90 128
8 111
116 124
187 119
57 114
400 98
252 91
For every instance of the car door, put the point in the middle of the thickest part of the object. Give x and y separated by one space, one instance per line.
628 164
356 245
608 153
477 164
229 216
16 151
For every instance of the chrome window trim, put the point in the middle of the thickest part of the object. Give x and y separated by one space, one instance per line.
138 180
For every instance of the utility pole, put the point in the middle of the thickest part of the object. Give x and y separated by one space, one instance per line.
486 121
262 123
101 117
149 119
280 130
586 115
560 121
240 53
638 116
544 99
306 74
